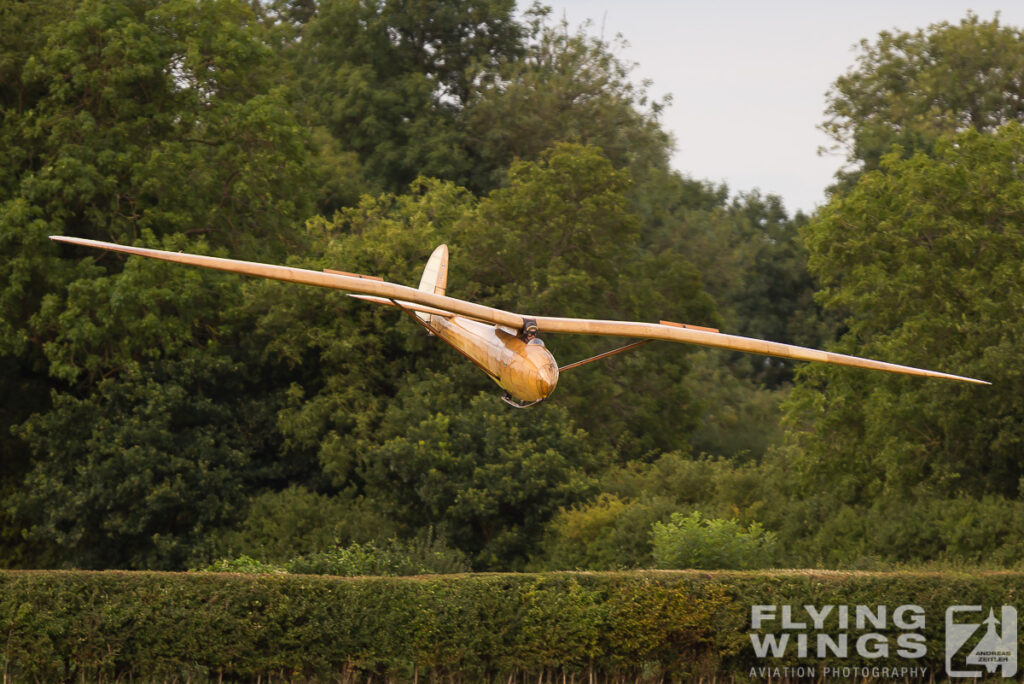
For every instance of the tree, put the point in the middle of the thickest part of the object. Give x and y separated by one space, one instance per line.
485 477
459 90
162 414
908 89
124 121
753 263
921 261
138 473
388 79
562 239
567 87
134 117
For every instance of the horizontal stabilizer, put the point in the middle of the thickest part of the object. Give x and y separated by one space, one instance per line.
404 305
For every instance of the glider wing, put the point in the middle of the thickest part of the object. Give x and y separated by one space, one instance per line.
676 332
371 287
427 301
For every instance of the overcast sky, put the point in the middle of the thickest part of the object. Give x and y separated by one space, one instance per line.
748 78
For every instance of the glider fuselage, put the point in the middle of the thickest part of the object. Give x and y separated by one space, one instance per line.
526 370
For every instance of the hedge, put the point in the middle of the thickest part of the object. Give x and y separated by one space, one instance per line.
579 627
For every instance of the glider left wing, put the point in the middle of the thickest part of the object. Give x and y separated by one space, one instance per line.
372 289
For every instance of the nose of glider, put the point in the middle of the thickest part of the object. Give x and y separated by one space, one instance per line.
546 370
532 375
548 378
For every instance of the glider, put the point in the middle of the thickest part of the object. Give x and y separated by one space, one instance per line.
504 344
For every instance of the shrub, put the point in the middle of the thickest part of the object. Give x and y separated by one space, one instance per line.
642 626
695 542
422 555
419 556
244 564
609 533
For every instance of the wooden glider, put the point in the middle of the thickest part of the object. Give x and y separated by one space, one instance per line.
505 345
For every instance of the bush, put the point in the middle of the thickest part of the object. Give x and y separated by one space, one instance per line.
285 524
419 556
422 555
695 542
906 531
244 564
609 533
645 626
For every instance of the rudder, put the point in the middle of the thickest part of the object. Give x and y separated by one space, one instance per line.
435 276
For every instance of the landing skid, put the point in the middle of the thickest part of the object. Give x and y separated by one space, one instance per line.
515 403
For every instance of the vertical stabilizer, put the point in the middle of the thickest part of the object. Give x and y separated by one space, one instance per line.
435 276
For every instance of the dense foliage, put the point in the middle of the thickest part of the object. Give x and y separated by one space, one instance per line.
912 88
656 626
423 555
159 417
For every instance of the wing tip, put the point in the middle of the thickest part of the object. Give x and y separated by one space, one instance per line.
958 378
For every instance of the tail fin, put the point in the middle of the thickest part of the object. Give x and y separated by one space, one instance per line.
435 276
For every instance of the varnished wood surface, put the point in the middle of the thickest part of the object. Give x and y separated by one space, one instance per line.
383 291
528 372
357 284
655 331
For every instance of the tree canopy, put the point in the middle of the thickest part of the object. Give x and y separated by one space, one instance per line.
910 88
156 416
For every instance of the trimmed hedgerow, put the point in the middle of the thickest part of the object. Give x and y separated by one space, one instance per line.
646 626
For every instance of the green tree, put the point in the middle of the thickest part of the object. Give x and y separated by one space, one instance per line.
486 477
139 472
559 239
133 117
608 533
694 541
753 264
922 262
388 79
459 90
568 86
135 120
287 523
349 359
910 88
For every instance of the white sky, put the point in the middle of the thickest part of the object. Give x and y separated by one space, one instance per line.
748 78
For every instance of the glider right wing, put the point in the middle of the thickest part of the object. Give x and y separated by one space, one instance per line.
676 332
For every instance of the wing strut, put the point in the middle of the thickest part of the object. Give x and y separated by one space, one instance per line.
613 352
